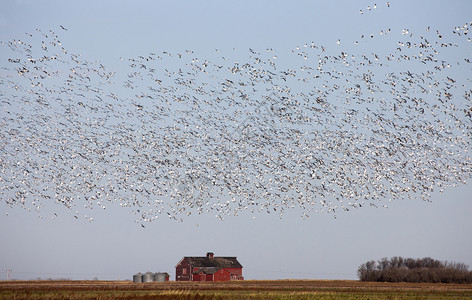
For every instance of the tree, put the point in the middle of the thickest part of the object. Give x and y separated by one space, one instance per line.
427 269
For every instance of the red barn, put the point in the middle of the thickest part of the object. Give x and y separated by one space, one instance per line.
208 268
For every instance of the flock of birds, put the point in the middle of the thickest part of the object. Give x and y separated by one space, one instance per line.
173 134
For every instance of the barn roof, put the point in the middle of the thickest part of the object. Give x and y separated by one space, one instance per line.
207 270
218 262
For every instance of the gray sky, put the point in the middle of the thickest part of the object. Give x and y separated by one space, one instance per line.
322 246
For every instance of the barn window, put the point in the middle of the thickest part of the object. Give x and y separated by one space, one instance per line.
184 271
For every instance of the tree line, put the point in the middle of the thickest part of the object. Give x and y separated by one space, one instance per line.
399 269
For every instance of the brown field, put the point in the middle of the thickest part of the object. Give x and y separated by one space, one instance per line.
248 289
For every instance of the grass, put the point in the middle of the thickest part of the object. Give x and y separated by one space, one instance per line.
248 289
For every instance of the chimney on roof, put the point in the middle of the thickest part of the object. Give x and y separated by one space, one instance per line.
210 255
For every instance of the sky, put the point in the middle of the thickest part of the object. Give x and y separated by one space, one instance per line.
322 246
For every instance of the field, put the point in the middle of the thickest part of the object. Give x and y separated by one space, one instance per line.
248 289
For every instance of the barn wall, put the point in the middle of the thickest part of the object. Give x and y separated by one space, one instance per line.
197 277
225 274
237 271
222 275
183 271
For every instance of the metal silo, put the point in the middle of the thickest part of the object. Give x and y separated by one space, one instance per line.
161 277
138 278
148 277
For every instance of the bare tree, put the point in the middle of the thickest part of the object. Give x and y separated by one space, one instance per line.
427 269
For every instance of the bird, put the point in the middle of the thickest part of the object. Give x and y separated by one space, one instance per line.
185 134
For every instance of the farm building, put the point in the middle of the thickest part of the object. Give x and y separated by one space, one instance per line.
208 268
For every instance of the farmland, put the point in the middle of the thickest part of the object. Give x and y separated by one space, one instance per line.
248 289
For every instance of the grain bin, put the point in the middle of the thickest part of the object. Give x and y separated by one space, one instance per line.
161 277
148 277
138 278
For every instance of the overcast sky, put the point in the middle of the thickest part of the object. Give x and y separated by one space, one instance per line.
322 246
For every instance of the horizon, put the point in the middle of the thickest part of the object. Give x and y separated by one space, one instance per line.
188 132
